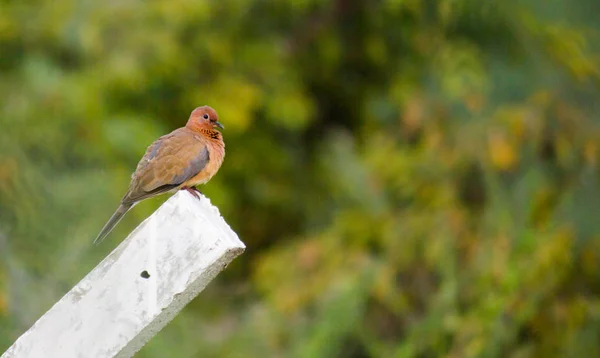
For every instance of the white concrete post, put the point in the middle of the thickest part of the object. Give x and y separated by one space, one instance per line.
135 291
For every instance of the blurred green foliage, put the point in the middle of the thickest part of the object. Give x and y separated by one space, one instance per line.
413 178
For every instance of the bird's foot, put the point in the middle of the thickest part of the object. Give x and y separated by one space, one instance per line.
194 191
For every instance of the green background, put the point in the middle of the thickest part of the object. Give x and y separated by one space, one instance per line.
412 178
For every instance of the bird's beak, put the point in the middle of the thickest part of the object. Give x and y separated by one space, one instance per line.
218 124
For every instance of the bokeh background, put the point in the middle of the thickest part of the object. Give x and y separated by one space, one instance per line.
413 178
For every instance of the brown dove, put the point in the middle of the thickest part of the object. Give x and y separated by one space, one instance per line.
180 160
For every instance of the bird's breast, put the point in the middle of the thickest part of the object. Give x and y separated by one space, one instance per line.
216 153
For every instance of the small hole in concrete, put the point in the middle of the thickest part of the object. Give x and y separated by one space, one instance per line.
145 274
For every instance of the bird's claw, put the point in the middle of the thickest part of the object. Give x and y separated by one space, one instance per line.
194 191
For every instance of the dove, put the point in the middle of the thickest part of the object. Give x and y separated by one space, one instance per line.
181 160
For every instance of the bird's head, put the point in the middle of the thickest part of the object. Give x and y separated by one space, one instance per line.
204 118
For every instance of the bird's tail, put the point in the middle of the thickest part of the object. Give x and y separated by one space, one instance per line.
112 222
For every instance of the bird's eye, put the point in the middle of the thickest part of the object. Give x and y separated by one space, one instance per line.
205 116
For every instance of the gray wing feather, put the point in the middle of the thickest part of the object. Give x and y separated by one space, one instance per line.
194 168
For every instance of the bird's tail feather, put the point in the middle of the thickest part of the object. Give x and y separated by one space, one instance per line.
112 222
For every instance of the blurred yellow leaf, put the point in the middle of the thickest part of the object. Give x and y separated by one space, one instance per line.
502 152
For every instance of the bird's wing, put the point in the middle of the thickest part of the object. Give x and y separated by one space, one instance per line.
169 161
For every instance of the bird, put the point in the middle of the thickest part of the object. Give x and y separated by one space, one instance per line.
181 160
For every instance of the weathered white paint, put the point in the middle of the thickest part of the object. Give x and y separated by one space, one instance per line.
114 311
